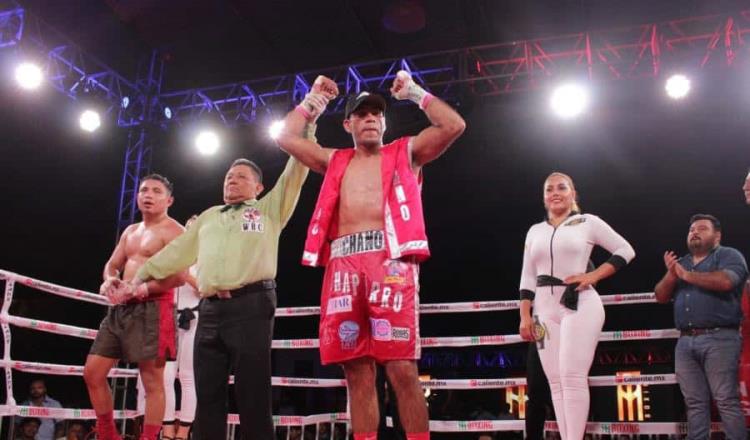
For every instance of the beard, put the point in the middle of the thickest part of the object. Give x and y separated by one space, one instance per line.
700 246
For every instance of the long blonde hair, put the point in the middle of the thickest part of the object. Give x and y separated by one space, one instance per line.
575 208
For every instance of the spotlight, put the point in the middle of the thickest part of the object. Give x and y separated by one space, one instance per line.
90 120
29 76
207 143
275 129
569 100
167 112
125 102
677 86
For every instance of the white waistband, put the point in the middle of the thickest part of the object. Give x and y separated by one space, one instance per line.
358 243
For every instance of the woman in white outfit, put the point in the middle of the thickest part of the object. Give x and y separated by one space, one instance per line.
568 313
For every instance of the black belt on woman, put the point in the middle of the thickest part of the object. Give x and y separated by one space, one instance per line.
569 297
184 316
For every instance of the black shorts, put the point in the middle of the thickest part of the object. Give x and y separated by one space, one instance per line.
138 332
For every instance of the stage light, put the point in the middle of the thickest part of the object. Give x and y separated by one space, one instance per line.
207 143
90 120
167 112
569 100
275 129
29 76
125 102
677 86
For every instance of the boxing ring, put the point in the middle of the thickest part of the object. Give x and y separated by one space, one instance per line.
10 408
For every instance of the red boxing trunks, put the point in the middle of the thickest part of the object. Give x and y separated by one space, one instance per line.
369 303
139 331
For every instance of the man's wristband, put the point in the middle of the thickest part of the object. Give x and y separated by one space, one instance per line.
303 111
426 99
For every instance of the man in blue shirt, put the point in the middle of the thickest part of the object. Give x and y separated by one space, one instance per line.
49 429
706 286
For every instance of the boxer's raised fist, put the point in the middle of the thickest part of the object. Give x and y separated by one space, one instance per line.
404 87
325 86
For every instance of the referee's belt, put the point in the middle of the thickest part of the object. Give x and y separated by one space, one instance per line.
705 331
258 286
570 295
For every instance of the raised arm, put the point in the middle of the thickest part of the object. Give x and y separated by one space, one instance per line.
446 125
292 138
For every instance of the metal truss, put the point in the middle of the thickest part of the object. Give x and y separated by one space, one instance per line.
137 164
243 103
79 76
630 52
11 27
67 67
138 151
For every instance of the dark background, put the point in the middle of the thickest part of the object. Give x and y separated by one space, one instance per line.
640 161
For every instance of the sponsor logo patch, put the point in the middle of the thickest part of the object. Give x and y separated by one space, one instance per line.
576 221
395 273
401 334
339 304
348 335
380 329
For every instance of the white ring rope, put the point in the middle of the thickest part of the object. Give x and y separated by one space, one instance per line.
459 307
10 408
311 382
435 425
282 344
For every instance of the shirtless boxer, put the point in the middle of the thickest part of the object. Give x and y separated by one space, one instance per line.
139 327
368 229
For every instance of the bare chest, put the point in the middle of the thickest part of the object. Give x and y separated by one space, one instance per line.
362 179
361 195
143 243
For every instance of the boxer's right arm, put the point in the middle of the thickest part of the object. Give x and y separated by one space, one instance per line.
293 141
113 267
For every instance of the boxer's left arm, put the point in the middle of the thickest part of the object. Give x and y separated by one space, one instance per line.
446 124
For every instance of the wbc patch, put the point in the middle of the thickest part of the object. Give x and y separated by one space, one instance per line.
252 220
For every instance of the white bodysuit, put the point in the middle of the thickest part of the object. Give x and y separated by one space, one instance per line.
567 349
